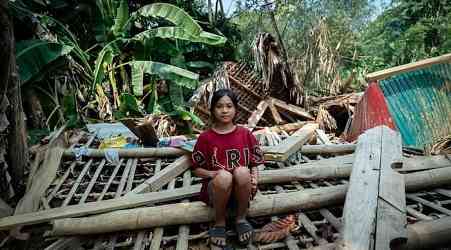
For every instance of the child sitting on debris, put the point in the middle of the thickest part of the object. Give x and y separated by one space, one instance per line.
226 156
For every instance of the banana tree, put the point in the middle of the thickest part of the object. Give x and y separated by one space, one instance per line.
117 37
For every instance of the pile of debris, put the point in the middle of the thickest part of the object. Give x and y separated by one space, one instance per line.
101 190
146 198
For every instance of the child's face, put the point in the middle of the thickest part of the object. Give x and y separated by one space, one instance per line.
224 110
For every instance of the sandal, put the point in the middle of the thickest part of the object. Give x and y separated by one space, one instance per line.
244 227
218 232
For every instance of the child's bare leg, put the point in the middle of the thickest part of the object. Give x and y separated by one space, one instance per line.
222 188
242 193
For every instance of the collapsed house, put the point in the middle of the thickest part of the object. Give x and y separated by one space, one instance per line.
315 191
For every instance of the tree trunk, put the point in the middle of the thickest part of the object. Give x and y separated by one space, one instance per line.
10 87
35 112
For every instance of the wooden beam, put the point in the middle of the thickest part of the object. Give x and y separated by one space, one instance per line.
237 82
196 212
310 171
380 75
336 167
374 214
257 114
130 152
291 144
41 181
292 109
275 114
163 177
97 207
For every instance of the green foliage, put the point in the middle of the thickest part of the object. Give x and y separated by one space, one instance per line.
129 107
32 56
409 31
179 76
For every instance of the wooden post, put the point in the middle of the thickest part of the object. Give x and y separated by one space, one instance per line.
374 215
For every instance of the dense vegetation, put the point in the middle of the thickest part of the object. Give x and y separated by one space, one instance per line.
108 59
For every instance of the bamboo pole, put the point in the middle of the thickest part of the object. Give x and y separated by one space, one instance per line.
196 212
131 153
421 235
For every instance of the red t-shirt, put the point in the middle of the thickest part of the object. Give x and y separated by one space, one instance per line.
214 151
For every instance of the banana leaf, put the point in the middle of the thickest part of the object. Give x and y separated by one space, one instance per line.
182 34
200 65
121 18
104 58
66 37
172 13
187 116
180 76
129 107
33 55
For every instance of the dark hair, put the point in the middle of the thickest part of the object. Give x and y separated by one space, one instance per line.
218 94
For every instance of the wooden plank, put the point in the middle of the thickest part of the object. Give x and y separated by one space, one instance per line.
140 237
68 171
391 207
92 182
379 75
42 180
429 204
334 221
293 109
131 176
182 239
311 228
417 214
375 211
77 183
131 163
237 82
322 137
294 142
157 236
159 231
110 180
257 114
164 177
275 114
139 241
98 207
359 213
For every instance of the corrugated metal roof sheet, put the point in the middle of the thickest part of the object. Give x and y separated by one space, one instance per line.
420 104
371 111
